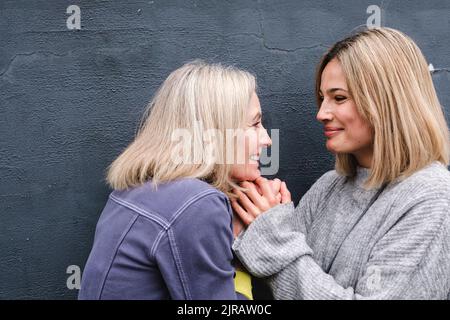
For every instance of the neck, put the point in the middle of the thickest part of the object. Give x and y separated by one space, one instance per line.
364 158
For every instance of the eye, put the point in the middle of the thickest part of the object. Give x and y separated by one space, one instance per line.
340 98
256 124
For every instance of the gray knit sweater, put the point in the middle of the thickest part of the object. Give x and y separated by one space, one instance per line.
398 249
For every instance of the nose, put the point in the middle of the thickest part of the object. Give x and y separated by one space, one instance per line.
265 140
324 113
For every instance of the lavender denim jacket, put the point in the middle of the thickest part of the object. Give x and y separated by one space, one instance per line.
170 243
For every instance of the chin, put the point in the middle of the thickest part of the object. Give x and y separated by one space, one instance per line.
253 174
333 148
253 177
249 175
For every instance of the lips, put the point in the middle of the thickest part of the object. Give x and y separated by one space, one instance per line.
332 131
255 157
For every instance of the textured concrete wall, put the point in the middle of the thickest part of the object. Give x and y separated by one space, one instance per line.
70 101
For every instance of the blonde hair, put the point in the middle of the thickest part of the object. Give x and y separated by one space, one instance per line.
389 81
214 95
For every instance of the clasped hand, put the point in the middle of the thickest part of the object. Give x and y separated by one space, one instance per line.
258 197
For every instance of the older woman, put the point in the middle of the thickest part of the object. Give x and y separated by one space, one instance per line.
377 227
166 230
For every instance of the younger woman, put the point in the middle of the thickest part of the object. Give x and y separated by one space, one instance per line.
377 227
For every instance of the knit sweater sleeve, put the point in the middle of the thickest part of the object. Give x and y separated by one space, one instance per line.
409 262
286 225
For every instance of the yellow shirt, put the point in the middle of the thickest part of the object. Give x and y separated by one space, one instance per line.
243 284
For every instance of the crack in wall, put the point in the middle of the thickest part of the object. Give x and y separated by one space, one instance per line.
439 70
275 49
262 37
27 54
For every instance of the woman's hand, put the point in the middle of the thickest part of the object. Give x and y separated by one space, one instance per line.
258 198
238 224
275 185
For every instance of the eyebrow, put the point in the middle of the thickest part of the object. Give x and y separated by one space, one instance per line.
332 90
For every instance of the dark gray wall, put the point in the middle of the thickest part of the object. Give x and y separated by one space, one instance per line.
70 102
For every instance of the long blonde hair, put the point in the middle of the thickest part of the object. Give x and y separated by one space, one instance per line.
389 80
213 95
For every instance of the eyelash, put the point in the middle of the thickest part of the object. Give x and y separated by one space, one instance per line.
337 98
257 124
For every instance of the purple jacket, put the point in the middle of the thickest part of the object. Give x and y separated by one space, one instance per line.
172 243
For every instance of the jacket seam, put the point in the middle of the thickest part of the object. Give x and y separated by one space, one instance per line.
183 208
178 263
140 211
129 226
189 203
156 244
172 241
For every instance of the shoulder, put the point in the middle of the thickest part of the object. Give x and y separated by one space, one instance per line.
432 181
327 182
210 209
330 177
205 216
188 188
197 193
423 199
324 187
169 200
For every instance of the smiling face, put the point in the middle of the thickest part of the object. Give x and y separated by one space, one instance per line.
249 146
345 129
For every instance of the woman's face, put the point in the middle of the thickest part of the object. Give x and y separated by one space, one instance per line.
249 145
345 129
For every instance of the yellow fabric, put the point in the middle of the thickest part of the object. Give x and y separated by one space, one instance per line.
243 284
